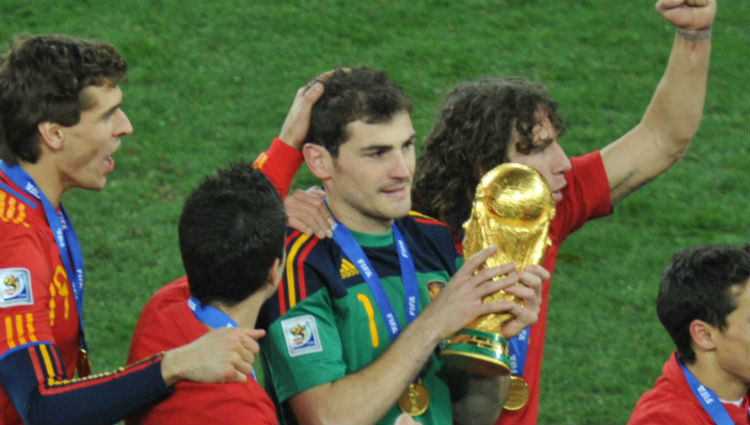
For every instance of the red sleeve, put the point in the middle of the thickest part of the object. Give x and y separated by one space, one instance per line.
279 163
586 197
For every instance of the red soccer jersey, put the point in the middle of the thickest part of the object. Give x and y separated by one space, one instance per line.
167 322
586 197
672 402
37 302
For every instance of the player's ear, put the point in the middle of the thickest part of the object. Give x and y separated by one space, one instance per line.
274 274
51 134
319 160
702 335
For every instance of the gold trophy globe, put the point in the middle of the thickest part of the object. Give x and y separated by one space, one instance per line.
513 207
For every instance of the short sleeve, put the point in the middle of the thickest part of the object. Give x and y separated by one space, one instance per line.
585 198
303 347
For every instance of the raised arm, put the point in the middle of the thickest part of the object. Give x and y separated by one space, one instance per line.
366 396
306 210
674 114
283 158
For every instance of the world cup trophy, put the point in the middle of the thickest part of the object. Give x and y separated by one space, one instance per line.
513 207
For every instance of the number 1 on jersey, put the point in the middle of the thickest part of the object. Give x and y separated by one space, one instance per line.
371 318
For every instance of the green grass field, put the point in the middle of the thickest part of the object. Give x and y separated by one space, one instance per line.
211 82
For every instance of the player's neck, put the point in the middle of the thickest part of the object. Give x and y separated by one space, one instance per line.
46 180
244 313
707 371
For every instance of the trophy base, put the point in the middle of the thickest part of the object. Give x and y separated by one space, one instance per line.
479 352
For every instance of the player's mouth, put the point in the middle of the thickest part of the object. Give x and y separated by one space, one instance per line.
557 193
398 192
109 161
109 164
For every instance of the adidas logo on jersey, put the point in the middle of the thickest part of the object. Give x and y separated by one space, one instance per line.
347 269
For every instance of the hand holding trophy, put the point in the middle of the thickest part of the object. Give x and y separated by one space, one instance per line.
513 207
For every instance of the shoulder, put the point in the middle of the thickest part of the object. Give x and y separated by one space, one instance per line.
165 322
425 222
667 412
311 265
177 291
18 209
425 219
428 235
422 227
304 248
587 196
588 163
170 296
23 228
585 170
20 230
587 175
670 401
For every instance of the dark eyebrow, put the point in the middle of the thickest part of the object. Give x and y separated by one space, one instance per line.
411 139
386 148
376 149
111 110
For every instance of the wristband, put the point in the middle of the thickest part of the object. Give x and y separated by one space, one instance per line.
694 35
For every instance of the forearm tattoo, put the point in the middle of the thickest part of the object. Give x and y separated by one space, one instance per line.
626 186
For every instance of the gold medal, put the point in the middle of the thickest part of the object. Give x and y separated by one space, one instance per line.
415 399
518 394
83 365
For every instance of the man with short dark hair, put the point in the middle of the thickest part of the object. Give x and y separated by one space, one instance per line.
704 304
60 123
354 328
232 244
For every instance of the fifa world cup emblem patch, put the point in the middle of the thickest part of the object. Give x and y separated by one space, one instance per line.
301 335
15 284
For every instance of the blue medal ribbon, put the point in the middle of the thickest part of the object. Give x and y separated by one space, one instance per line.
707 397
351 248
64 235
519 348
212 316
